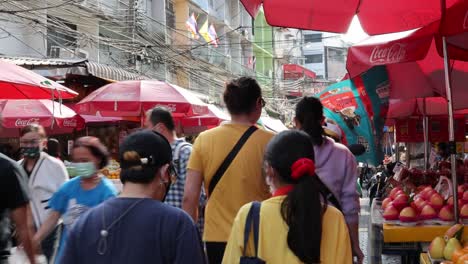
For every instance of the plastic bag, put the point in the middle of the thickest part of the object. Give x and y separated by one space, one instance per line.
19 257
444 187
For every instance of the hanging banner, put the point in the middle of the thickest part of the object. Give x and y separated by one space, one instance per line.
343 106
359 106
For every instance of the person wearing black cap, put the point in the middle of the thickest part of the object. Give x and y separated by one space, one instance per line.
137 227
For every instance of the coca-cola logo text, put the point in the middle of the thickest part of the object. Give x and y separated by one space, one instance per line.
384 55
69 123
25 122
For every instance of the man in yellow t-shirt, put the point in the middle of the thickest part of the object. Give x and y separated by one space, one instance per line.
243 181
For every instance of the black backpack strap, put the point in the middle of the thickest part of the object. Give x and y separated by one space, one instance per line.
230 157
253 219
329 195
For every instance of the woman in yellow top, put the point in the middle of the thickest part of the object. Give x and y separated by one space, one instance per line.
296 224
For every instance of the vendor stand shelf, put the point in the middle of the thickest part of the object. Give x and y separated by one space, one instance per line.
402 240
400 234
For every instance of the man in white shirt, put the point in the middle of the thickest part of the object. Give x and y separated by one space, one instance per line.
45 175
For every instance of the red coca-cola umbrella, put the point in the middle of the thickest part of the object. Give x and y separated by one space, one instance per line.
19 83
17 114
414 66
416 69
133 98
376 16
430 106
214 117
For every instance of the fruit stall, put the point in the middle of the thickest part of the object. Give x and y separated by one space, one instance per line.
410 217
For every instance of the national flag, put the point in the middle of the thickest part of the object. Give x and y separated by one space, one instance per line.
192 26
209 34
213 35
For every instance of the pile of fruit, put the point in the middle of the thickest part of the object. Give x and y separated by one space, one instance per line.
425 205
112 171
450 247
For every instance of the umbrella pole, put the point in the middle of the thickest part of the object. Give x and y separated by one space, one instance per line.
426 136
452 144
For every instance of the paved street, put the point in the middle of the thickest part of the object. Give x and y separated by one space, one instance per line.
363 222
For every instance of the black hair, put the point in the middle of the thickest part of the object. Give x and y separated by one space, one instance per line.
97 149
241 95
33 128
304 206
143 145
309 113
53 147
161 114
138 173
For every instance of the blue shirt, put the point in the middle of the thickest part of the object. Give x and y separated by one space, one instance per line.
71 201
140 230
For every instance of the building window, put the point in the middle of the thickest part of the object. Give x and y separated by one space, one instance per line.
319 76
314 58
313 38
61 37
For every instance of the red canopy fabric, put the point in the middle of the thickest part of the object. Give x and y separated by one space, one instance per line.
19 83
294 72
132 98
213 118
414 66
431 106
50 114
376 16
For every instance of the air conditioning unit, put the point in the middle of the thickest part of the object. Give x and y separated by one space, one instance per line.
270 73
83 54
59 52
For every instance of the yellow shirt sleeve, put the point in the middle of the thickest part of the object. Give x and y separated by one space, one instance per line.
196 161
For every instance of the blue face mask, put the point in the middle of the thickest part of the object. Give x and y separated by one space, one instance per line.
84 169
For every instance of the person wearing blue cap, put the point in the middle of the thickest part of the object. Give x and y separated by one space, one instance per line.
137 227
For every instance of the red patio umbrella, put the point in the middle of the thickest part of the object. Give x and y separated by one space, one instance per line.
416 69
19 83
53 116
133 98
430 106
376 16
414 66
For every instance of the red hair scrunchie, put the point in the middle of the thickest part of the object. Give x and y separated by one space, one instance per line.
302 167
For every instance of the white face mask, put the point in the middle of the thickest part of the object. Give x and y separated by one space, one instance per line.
269 182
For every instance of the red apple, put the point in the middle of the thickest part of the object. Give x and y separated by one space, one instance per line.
446 213
461 188
386 202
450 201
422 205
428 213
408 214
393 192
428 194
390 213
465 196
464 212
398 193
418 201
436 201
400 202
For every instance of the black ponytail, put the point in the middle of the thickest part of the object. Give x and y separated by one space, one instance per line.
309 113
304 206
